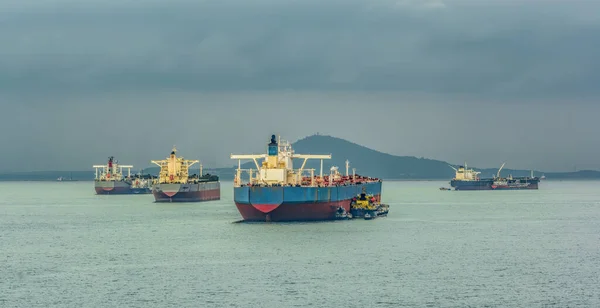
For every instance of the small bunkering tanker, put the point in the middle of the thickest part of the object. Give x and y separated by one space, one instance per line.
110 180
277 192
176 185
468 179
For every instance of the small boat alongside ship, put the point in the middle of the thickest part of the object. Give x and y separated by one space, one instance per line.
366 206
176 185
109 180
468 179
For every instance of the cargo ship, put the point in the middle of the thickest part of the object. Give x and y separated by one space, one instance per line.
468 179
109 180
176 185
275 191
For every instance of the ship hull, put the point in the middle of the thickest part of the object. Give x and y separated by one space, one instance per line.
298 203
206 191
488 184
117 188
515 187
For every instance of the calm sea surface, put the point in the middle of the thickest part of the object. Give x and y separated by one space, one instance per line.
63 246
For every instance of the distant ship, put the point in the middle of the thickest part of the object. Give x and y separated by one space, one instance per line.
176 185
275 191
64 179
110 180
468 179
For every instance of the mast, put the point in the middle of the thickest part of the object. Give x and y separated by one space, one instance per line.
347 166
321 173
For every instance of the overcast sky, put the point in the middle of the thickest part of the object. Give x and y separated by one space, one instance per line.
481 81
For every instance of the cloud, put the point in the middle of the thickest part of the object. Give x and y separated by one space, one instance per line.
485 49
516 78
420 4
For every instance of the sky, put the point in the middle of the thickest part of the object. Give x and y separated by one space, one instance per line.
485 82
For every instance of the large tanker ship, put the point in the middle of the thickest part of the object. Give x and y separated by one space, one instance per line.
276 191
109 180
176 185
468 179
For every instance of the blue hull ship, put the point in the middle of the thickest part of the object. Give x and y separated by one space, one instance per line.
468 179
277 192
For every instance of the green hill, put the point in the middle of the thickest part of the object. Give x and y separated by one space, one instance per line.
370 162
374 163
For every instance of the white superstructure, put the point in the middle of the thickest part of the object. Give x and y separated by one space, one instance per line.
277 167
112 171
464 174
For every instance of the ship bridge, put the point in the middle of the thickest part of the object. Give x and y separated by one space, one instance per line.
112 171
277 166
464 174
174 169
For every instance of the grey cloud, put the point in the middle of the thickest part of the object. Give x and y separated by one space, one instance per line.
481 81
500 49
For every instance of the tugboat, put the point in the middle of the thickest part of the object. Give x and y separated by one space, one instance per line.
367 206
341 214
383 210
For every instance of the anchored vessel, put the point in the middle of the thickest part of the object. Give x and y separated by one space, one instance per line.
276 191
468 179
109 180
65 179
176 185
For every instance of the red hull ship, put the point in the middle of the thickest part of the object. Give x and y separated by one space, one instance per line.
111 181
176 185
277 192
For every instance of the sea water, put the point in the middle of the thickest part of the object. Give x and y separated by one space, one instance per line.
63 246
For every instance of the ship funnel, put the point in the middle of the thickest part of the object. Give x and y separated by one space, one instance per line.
273 146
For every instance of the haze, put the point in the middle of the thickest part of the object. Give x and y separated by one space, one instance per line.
477 81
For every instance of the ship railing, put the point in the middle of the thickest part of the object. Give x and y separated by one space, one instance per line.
302 179
237 180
